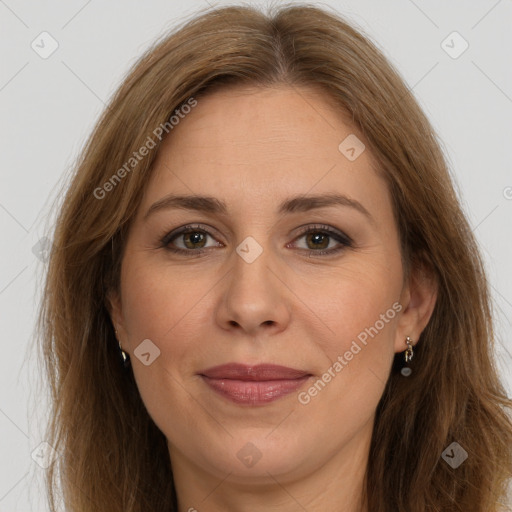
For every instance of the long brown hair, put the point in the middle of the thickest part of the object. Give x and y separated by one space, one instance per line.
111 451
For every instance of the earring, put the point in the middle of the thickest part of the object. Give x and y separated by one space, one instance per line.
125 357
409 353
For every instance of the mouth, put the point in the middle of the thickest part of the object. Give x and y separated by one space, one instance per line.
253 385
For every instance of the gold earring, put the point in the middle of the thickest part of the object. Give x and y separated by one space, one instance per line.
409 352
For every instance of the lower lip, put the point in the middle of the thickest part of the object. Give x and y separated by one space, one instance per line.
254 392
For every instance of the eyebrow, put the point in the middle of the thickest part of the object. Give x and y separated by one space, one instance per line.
213 205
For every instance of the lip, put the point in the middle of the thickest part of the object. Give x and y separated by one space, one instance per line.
253 385
258 372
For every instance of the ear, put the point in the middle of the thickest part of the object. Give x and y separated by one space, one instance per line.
114 307
418 300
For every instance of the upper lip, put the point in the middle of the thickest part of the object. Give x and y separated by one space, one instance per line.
259 372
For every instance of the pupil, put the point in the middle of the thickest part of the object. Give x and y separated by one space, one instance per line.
319 240
193 238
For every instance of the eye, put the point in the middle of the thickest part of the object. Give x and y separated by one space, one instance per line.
196 239
188 239
320 240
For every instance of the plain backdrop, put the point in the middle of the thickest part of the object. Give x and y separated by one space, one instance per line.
48 107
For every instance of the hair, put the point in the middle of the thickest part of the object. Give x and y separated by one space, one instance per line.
110 449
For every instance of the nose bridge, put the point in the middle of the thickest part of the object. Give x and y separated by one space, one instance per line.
253 297
251 266
250 271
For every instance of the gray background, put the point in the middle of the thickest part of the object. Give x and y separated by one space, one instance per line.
49 106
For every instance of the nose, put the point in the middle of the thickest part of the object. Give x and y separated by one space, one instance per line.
254 299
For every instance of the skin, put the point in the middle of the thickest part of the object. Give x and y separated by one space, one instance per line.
254 148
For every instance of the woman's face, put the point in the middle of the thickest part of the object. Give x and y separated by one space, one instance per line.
261 241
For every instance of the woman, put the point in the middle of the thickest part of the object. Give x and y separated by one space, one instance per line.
263 293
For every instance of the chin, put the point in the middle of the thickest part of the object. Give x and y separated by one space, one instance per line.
256 459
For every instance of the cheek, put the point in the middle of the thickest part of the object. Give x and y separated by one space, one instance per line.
361 313
360 306
159 306
363 307
158 302
354 300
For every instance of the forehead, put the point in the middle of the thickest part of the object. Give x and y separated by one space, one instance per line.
248 143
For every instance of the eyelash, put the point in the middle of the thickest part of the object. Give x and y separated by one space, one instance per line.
341 238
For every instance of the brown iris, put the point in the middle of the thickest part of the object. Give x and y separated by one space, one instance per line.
320 240
192 238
